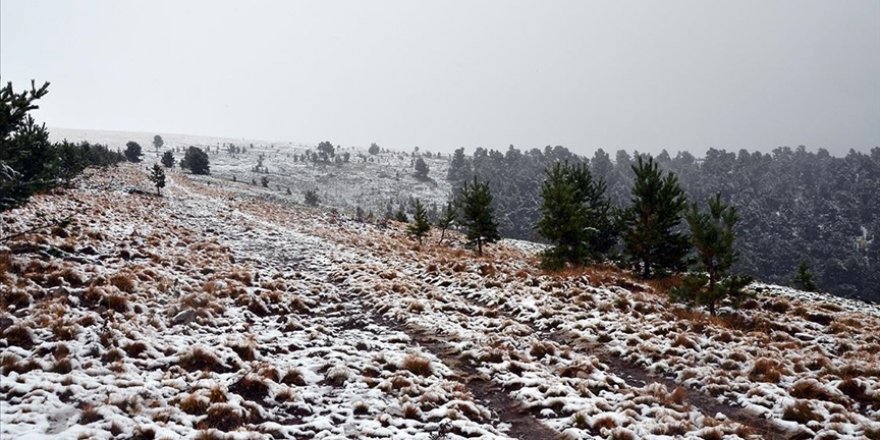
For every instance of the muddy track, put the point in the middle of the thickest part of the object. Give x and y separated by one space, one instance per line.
639 377
523 425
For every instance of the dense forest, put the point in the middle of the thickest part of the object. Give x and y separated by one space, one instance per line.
796 205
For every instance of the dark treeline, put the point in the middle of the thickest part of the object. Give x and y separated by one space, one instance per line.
29 163
795 205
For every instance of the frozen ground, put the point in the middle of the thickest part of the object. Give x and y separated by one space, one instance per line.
225 310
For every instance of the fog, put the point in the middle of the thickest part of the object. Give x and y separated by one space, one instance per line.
637 75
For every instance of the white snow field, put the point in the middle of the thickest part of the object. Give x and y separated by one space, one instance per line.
228 310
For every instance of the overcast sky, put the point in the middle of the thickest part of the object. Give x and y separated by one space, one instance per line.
640 75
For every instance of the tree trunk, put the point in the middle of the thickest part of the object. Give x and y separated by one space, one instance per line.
479 247
442 234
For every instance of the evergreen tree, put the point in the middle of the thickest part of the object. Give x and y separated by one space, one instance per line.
712 236
311 197
803 279
168 159
133 151
421 169
158 143
650 235
447 219
477 215
157 176
264 181
196 161
459 167
420 225
374 149
326 149
27 159
563 219
400 215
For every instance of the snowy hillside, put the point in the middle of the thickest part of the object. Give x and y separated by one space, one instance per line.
225 310
370 182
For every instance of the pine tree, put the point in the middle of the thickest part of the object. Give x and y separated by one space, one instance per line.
168 159
311 197
477 215
133 151
400 215
374 149
447 219
157 176
420 225
650 235
803 279
563 219
421 169
712 236
196 160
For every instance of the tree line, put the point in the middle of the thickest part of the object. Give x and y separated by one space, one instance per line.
793 206
29 162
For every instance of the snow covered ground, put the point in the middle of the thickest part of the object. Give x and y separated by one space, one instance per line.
228 310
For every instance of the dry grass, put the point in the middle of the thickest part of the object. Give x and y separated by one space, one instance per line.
19 336
293 377
800 412
200 359
417 364
124 282
193 404
766 370
337 376
251 387
223 417
117 302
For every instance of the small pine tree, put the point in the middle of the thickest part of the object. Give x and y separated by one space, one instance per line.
311 198
264 181
400 215
374 149
447 219
168 159
421 169
157 176
133 151
803 279
477 215
712 235
420 225
650 224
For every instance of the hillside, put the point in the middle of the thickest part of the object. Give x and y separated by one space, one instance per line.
221 310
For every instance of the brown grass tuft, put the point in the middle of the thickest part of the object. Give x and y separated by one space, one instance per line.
293 377
123 281
251 387
223 417
193 404
19 336
766 370
417 364
800 412
200 359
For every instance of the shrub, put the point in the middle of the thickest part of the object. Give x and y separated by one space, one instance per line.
311 198
800 412
193 404
293 377
20 336
765 370
123 282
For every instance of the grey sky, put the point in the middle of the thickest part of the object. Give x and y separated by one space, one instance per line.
637 75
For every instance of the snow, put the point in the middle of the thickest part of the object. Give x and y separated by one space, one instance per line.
218 268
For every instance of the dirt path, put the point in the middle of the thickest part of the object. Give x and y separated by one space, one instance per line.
296 251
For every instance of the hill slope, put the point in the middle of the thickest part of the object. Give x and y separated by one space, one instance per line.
218 311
